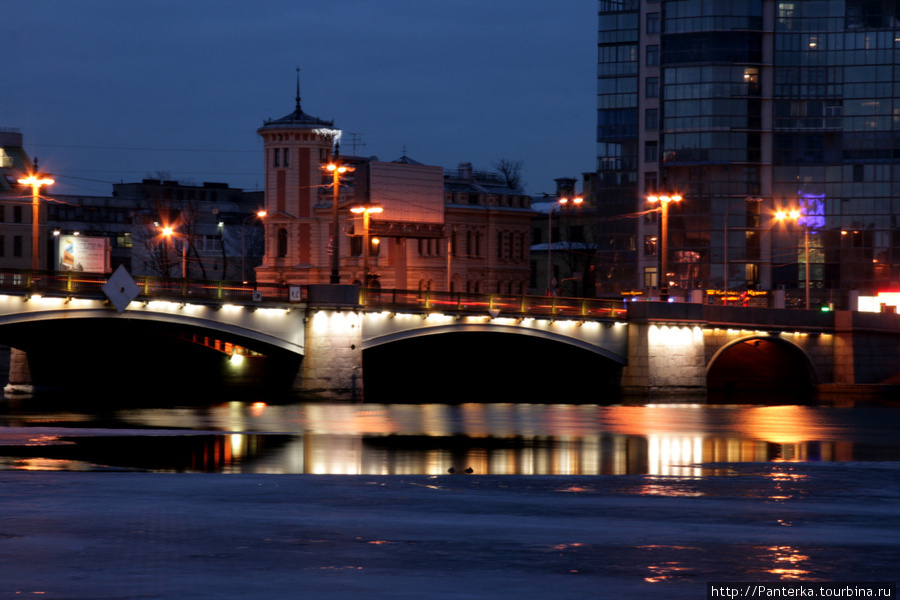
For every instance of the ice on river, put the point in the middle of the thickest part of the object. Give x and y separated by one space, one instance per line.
67 535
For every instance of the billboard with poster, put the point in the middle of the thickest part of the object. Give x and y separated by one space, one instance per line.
81 253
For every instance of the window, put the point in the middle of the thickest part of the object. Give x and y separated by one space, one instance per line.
653 22
287 155
576 234
17 214
651 151
651 119
17 246
652 56
276 157
650 278
651 89
282 243
650 245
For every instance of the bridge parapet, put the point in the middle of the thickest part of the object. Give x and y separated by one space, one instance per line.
90 285
731 316
492 304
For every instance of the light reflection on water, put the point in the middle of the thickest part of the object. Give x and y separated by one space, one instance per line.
689 440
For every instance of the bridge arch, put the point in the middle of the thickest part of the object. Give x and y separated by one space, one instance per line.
563 337
485 363
760 369
145 352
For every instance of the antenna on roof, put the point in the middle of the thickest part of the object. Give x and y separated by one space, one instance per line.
354 139
298 88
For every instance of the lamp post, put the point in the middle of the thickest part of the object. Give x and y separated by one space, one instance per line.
336 169
169 232
725 227
664 241
794 215
259 215
561 202
36 180
365 210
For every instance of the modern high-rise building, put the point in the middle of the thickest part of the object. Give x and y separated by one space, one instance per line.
746 108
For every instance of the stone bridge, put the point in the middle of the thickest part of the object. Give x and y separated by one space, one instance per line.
314 339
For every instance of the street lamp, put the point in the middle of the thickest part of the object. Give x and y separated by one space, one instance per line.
365 210
168 231
336 171
664 241
259 215
561 202
794 215
36 180
725 227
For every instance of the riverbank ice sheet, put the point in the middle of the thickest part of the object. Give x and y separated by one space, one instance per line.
126 535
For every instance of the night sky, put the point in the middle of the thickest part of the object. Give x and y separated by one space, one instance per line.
110 90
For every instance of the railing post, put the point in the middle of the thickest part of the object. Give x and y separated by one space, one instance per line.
69 281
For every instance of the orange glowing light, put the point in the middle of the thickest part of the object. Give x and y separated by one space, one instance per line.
35 181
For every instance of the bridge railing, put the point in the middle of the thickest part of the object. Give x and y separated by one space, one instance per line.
509 304
91 284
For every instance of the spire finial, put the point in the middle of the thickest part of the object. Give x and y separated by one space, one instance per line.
298 88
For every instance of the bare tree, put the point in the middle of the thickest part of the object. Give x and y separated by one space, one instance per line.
511 172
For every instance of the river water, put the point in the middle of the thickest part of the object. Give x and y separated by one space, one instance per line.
432 439
563 500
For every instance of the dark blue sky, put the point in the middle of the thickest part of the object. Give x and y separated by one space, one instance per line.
112 90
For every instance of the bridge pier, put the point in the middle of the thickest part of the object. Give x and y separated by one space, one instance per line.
666 362
332 365
19 381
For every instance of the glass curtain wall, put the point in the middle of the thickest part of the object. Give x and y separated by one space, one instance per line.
617 145
712 140
837 144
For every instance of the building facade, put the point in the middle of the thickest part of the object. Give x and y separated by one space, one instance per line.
459 230
747 108
16 214
563 238
214 230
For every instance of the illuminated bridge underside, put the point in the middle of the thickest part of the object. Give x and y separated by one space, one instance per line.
261 328
609 340
658 348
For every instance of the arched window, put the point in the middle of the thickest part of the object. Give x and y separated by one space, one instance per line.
282 243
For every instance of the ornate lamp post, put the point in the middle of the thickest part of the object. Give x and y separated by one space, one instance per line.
561 202
259 215
169 232
664 241
794 215
365 210
36 180
336 169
